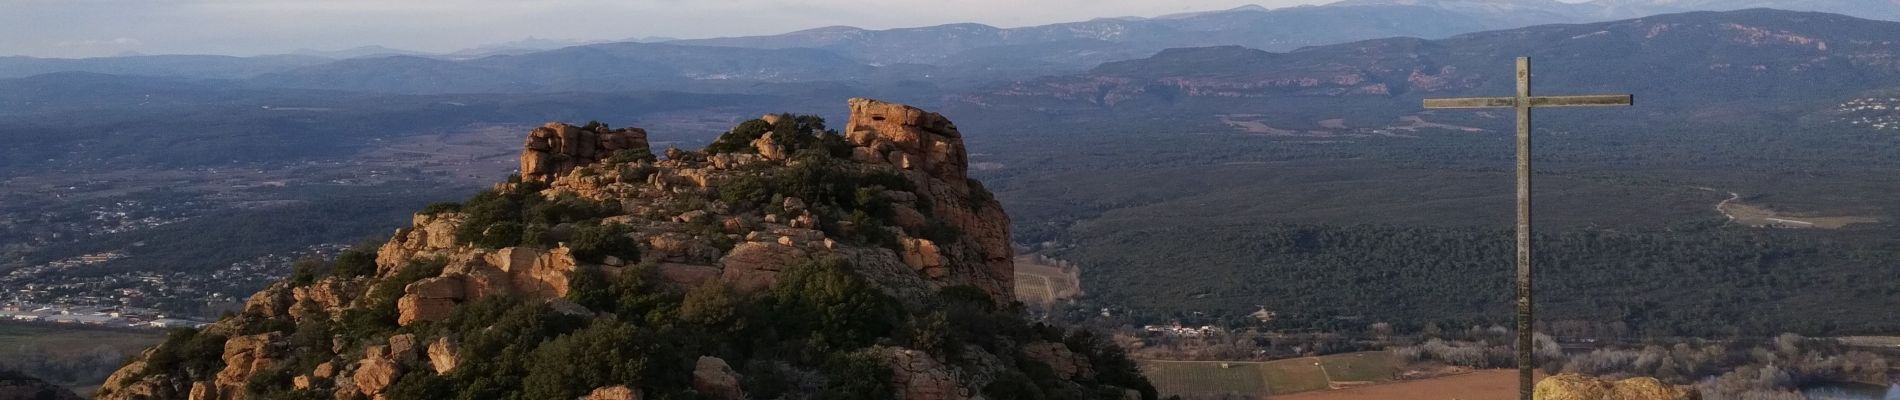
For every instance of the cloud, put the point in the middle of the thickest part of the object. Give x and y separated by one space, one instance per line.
121 42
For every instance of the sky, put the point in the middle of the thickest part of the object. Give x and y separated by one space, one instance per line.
91 28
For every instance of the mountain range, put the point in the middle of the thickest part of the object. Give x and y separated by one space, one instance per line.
959 54
1706 62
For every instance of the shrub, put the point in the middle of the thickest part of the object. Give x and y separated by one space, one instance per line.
355 262
442 207
306 271
594 242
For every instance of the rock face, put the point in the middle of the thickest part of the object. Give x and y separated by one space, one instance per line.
613 393
18 386
929 149
1579 387
675 221
554 149
715 379
917 376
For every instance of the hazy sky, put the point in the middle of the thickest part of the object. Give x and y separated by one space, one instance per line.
82 28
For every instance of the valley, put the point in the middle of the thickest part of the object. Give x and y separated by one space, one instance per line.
1183 176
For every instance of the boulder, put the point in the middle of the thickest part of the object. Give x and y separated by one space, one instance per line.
429 299
917 376
403 348
554 149
753 266
714 378
444 354
1579 387
1066 364
245 356
613 393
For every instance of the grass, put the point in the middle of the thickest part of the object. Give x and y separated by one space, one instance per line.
1371 366
1258 379
1294 375
1200 378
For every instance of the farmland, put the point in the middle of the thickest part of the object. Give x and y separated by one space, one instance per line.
1236 379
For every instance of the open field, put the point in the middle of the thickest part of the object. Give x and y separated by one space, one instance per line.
1890 342
1496 384
1202 379
1758 216
65 339
1042 281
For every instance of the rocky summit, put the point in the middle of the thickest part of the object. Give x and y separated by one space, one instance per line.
785 260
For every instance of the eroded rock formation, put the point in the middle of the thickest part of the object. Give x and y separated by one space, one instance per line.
696 219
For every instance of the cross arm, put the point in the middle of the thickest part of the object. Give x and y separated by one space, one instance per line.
1607 100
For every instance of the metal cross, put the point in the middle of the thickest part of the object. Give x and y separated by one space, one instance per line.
1523 102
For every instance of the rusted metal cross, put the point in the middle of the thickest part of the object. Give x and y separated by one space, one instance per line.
1524 102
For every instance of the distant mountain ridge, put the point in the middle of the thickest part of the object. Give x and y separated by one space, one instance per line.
1673 62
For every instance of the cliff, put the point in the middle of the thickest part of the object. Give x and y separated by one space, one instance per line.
785 260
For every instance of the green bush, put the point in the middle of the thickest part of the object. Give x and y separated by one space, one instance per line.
188 353
307 270
594 242
836 309
355 262
441 207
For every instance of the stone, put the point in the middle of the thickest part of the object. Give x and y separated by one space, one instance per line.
444 354
245 356
430 299
1065 363
752 266
793 204
917 376
930 150
613 393
714 378
373 374
768 147
687 275
403 349
924 256
326 370
555 149
1579 387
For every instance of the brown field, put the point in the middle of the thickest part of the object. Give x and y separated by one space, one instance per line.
1041 282
1871 341
1495 384
1249 379
1763 217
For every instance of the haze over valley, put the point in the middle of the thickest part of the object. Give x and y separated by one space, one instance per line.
1177 183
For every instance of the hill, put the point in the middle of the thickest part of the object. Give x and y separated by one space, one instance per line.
783 261
1694 64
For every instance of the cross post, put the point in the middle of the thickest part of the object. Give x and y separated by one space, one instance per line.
1523 102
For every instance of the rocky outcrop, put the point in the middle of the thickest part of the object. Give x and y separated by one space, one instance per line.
930 150
375 372
917 376
613 393
942 229
18 386
444 355
245 356
554 149
1065 363
713 378
1579 387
